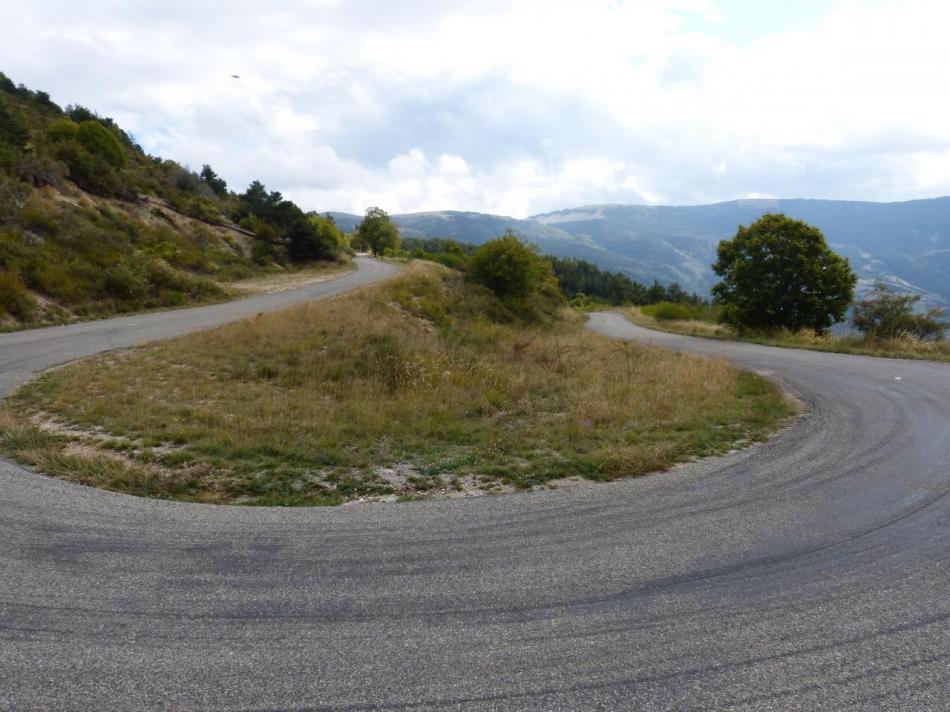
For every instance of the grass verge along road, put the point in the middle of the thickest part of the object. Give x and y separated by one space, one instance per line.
909 347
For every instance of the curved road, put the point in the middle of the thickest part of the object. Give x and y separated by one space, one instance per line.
808 573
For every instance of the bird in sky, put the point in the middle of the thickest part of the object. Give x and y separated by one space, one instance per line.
235 76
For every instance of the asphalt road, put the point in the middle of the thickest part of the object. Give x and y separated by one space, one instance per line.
808 573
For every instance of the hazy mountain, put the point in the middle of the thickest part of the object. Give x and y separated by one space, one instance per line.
476 228
905 244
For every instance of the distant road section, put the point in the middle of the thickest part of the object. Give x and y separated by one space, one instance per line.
807 573
23 353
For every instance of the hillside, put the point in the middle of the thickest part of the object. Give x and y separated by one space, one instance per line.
91 225
476 228
905 244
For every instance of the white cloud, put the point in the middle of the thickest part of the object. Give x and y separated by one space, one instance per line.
511 107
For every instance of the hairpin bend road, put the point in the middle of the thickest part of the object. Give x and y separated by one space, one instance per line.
810 572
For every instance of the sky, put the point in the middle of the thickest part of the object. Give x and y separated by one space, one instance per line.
514 108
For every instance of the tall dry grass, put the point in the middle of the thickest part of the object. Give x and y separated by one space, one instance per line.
907 347
426 373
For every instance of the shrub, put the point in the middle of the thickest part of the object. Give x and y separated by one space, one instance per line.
88 171
14 297
127 282
62 130
41 169
100 141
451 260
12 196
61 281
36 216
14 128
883 314
678 311
312 237
509 268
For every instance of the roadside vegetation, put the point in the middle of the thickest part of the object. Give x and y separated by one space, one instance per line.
432 384
585 285
783 286
91 225
779 273
903 346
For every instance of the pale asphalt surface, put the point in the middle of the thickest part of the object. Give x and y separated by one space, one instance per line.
808 573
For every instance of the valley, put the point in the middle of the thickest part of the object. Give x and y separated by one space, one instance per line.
905 245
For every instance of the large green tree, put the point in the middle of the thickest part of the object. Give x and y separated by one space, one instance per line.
780 273
377 231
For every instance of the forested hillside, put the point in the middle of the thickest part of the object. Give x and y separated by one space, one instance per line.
90 224
906 245
583 282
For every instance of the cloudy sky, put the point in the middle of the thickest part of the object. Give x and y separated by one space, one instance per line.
514 107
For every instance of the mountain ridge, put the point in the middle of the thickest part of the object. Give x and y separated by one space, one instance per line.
905 244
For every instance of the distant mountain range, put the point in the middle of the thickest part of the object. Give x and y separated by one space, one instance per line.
904 244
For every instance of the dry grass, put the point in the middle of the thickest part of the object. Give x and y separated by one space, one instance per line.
291 278
908 347
426 376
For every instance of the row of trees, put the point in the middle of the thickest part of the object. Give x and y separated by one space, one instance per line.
579 278
780 273
283 231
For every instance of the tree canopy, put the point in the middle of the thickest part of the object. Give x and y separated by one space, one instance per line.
283 229
377 232
581 277
780 273
214 181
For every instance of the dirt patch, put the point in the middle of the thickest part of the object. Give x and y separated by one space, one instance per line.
289 280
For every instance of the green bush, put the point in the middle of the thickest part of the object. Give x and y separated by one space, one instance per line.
450 259
14 297
90 172
14 128
62 281
509 268
62 130
127 282
36 217
679 311
100 141
882 314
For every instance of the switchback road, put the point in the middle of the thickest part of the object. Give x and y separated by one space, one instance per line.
808 573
